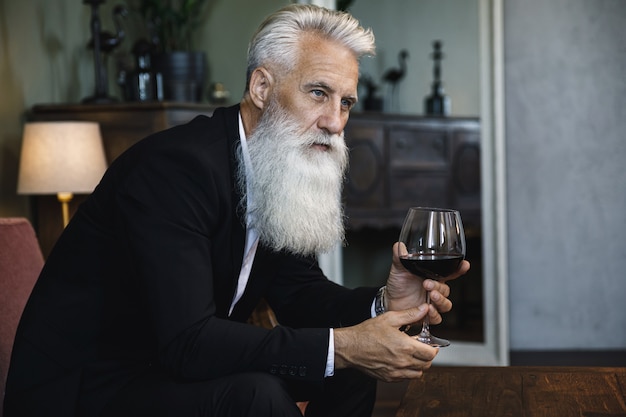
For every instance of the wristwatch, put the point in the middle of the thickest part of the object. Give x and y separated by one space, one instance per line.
379 302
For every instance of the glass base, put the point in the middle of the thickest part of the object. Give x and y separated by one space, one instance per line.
431 340
424 336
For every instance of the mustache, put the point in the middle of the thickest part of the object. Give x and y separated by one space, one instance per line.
328 140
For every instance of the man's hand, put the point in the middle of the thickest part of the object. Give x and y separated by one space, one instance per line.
405 290
379 349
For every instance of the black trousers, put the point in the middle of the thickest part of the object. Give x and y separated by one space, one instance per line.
347 394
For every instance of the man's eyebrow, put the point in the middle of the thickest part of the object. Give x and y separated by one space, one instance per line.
319 84
322 85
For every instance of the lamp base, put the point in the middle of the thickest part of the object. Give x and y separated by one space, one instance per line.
64 199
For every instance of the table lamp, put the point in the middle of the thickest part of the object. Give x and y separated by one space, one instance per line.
61 158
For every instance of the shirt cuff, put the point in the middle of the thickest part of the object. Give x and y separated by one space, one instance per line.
330 359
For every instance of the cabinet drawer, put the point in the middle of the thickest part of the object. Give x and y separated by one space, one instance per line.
422 149
409 189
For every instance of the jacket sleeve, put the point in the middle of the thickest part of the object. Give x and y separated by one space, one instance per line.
302 296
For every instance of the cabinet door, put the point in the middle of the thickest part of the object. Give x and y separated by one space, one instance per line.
465 177
365 182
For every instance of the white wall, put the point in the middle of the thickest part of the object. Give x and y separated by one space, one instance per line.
565 83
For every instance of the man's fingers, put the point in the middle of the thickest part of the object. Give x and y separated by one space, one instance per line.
408 316
440 287
442 303
434 316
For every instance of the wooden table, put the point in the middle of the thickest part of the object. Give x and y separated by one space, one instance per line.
516 392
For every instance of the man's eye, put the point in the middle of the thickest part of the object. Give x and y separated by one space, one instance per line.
318 93
347 103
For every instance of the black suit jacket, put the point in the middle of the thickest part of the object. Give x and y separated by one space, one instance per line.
143 277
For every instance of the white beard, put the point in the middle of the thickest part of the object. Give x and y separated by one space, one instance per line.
296 187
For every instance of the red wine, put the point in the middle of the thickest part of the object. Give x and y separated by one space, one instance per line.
433 266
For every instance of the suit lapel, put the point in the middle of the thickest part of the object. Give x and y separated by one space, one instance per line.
238 230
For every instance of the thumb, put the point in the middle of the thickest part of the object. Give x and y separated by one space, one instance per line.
408 316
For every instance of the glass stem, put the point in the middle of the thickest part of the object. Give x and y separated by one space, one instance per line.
425 324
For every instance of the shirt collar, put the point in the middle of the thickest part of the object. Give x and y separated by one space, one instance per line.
248 166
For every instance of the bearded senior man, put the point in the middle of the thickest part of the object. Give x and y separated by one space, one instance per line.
141 307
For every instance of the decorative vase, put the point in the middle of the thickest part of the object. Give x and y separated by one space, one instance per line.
183 75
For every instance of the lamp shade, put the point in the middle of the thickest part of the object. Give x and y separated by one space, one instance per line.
61 157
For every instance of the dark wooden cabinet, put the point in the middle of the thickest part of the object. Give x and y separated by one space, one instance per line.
121 125
401 161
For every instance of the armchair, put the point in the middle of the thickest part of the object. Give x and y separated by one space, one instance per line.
21 261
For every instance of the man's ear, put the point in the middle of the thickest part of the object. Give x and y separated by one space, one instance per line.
261 82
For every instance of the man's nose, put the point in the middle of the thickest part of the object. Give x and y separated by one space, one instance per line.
333 119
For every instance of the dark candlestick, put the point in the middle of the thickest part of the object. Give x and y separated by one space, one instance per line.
101 91
437 103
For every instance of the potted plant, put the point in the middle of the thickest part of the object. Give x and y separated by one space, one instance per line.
170 25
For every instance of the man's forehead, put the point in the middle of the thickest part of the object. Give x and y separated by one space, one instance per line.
328 63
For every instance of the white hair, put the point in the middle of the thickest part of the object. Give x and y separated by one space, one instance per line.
276 41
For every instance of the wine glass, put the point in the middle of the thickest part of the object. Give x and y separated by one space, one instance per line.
432 245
